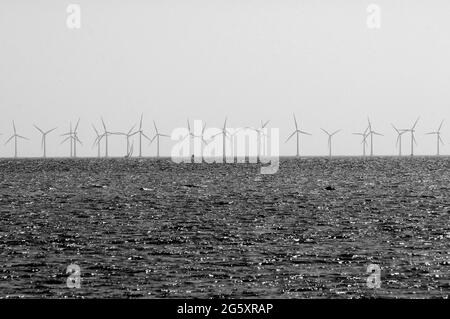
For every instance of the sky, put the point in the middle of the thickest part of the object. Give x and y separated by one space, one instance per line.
249 60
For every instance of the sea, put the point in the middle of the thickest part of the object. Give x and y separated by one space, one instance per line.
345 227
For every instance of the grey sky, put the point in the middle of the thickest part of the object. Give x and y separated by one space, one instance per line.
249 60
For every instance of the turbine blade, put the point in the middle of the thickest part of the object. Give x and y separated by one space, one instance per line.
325 131
76 126
140 122
295 121
290 136
104 125
38 129
98 139
14 127
96 132
9 139
415 123
265 124
303 132
143 134
440 126
237 131
395 129
187 136
67 138
49 131
156 129
22 137
131 129
335 132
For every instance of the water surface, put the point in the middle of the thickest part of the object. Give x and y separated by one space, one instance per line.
155 229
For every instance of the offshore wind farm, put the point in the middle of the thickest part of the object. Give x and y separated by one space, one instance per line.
101 140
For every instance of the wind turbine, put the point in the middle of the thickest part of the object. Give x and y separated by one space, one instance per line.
399 139
329 139
412 130
97 140
141 133
15 136
297 132
364 141
69 138
225 135
44 141
105 134
371 134
438 137
157 136
76 139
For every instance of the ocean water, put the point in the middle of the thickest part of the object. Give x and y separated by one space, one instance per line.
142 228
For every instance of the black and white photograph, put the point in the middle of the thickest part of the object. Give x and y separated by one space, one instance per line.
249 150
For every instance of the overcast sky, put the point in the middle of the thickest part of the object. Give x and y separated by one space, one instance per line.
250 60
